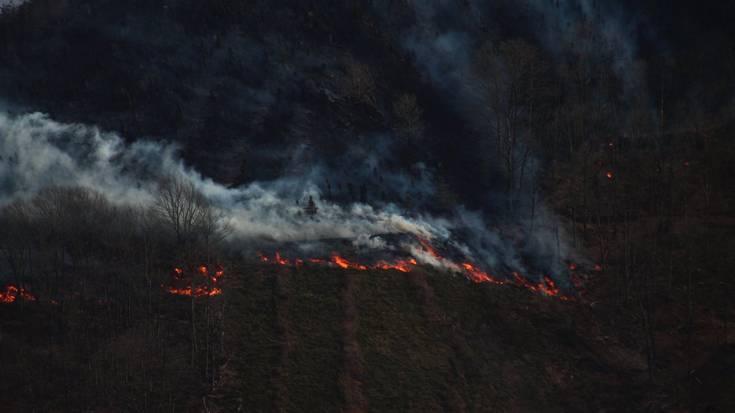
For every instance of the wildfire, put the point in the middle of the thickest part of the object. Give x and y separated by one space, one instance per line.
281 260
12 293
200 291
343 263
479 276
196 292
218 273
401 265
428 248
546 286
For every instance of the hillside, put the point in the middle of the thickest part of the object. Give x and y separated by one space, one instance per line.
360 206
329 340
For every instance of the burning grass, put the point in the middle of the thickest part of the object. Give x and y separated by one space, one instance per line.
13 293
545 286
211 277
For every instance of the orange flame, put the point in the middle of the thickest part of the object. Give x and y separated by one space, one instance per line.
401 265
196 292
280 260
523 282
477 275
201 291
547 286
218 273
609 174
429 248
12 293
343 263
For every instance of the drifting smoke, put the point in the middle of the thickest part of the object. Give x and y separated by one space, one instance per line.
577 23
10 3
445 38
36 152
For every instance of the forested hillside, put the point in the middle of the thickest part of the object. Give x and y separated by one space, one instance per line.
367 206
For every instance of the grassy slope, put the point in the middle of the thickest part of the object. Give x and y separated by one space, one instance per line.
421 342
427 342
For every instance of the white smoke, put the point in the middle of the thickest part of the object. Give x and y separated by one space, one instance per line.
10 3
37 152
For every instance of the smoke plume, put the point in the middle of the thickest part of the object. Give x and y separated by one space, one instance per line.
37 152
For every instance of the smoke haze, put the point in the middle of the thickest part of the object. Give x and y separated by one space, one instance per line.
38 152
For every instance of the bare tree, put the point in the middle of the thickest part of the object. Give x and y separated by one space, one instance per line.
197 227
188 214
511 73
16 239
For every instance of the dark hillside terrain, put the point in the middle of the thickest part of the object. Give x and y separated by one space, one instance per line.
426 342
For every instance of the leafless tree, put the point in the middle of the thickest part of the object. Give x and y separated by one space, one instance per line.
511 73
188 214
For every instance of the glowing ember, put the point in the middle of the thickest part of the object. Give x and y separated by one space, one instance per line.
479 276
280 260
12 293
343 263
546 286
196 292
218 274
428 248
200 291
402 266
523 282
339 261
609 175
